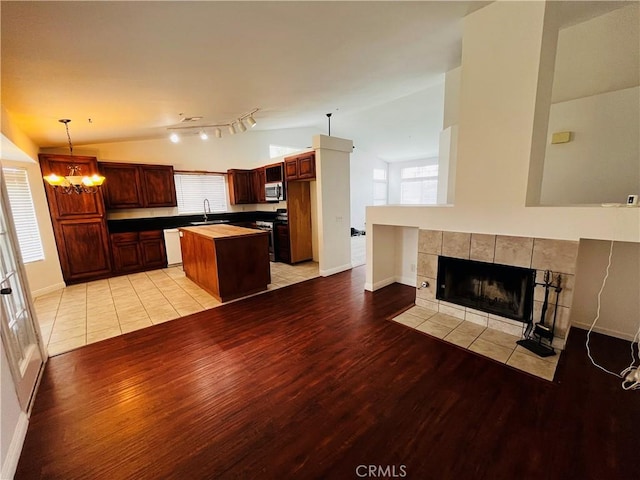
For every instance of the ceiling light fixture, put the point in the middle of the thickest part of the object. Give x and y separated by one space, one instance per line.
74 182
233 127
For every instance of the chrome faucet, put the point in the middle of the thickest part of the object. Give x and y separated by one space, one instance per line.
206 207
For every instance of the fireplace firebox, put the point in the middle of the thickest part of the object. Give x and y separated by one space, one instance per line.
493 288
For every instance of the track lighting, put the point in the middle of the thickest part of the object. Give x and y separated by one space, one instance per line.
233 127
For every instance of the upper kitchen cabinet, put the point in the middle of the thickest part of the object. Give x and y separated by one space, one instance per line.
61 205
273 172
241 186
259 181
129 185
300 167
159 188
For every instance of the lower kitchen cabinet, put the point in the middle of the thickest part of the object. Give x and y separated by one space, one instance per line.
282 249
138 251
83 250
152 248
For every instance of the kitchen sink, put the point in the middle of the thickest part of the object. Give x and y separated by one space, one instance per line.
209 222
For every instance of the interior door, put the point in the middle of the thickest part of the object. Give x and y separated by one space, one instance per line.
20 333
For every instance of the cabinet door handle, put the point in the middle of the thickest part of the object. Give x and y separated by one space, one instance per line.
6 291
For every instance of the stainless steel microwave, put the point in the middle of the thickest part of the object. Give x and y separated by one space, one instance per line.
274 192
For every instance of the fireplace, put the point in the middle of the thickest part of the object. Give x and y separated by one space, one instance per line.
493 288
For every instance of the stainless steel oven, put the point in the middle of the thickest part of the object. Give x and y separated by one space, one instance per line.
267 226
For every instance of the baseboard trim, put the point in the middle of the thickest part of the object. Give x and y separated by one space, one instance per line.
49 289
333 271
15 447
382 283
605 331
409 281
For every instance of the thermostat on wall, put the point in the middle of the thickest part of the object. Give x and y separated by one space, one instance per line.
632 200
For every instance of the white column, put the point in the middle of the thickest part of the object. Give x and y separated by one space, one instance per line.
333 203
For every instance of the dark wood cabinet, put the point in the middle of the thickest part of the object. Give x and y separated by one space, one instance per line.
126 252
122 186
159 187
300 167
130 185
78 220
138 251
152 248
259 183
282 249
273 172
241 186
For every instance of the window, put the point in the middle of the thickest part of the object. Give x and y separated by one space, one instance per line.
24 214
281 150
193 188
380 186
419 185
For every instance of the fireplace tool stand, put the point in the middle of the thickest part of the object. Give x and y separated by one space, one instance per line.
539 336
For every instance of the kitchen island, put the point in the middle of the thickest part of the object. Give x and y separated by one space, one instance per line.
227 261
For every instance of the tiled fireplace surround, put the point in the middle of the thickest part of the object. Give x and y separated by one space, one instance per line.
558 256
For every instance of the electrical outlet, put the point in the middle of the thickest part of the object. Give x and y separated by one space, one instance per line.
413 267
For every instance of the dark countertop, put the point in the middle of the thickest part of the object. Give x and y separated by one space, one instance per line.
164 223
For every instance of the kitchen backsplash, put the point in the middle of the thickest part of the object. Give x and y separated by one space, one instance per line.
173 211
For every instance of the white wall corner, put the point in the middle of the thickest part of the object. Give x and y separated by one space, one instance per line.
404 280
10 463
334 270
51 288
383 283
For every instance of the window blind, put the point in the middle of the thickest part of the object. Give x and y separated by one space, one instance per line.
192 189
23 213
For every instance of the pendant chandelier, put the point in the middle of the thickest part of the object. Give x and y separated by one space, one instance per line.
74 182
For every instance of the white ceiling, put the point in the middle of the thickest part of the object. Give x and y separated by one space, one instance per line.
133 67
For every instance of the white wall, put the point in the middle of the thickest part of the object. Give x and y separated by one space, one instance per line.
406 255
601 163
361 172
620 299
599 55
452 97
501 53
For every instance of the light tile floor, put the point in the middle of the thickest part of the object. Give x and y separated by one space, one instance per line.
87 313
491 343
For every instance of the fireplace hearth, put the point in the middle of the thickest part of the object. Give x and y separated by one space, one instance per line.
503 290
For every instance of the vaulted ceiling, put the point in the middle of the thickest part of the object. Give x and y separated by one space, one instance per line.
134 67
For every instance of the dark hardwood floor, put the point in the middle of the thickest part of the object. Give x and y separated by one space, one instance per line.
311 381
